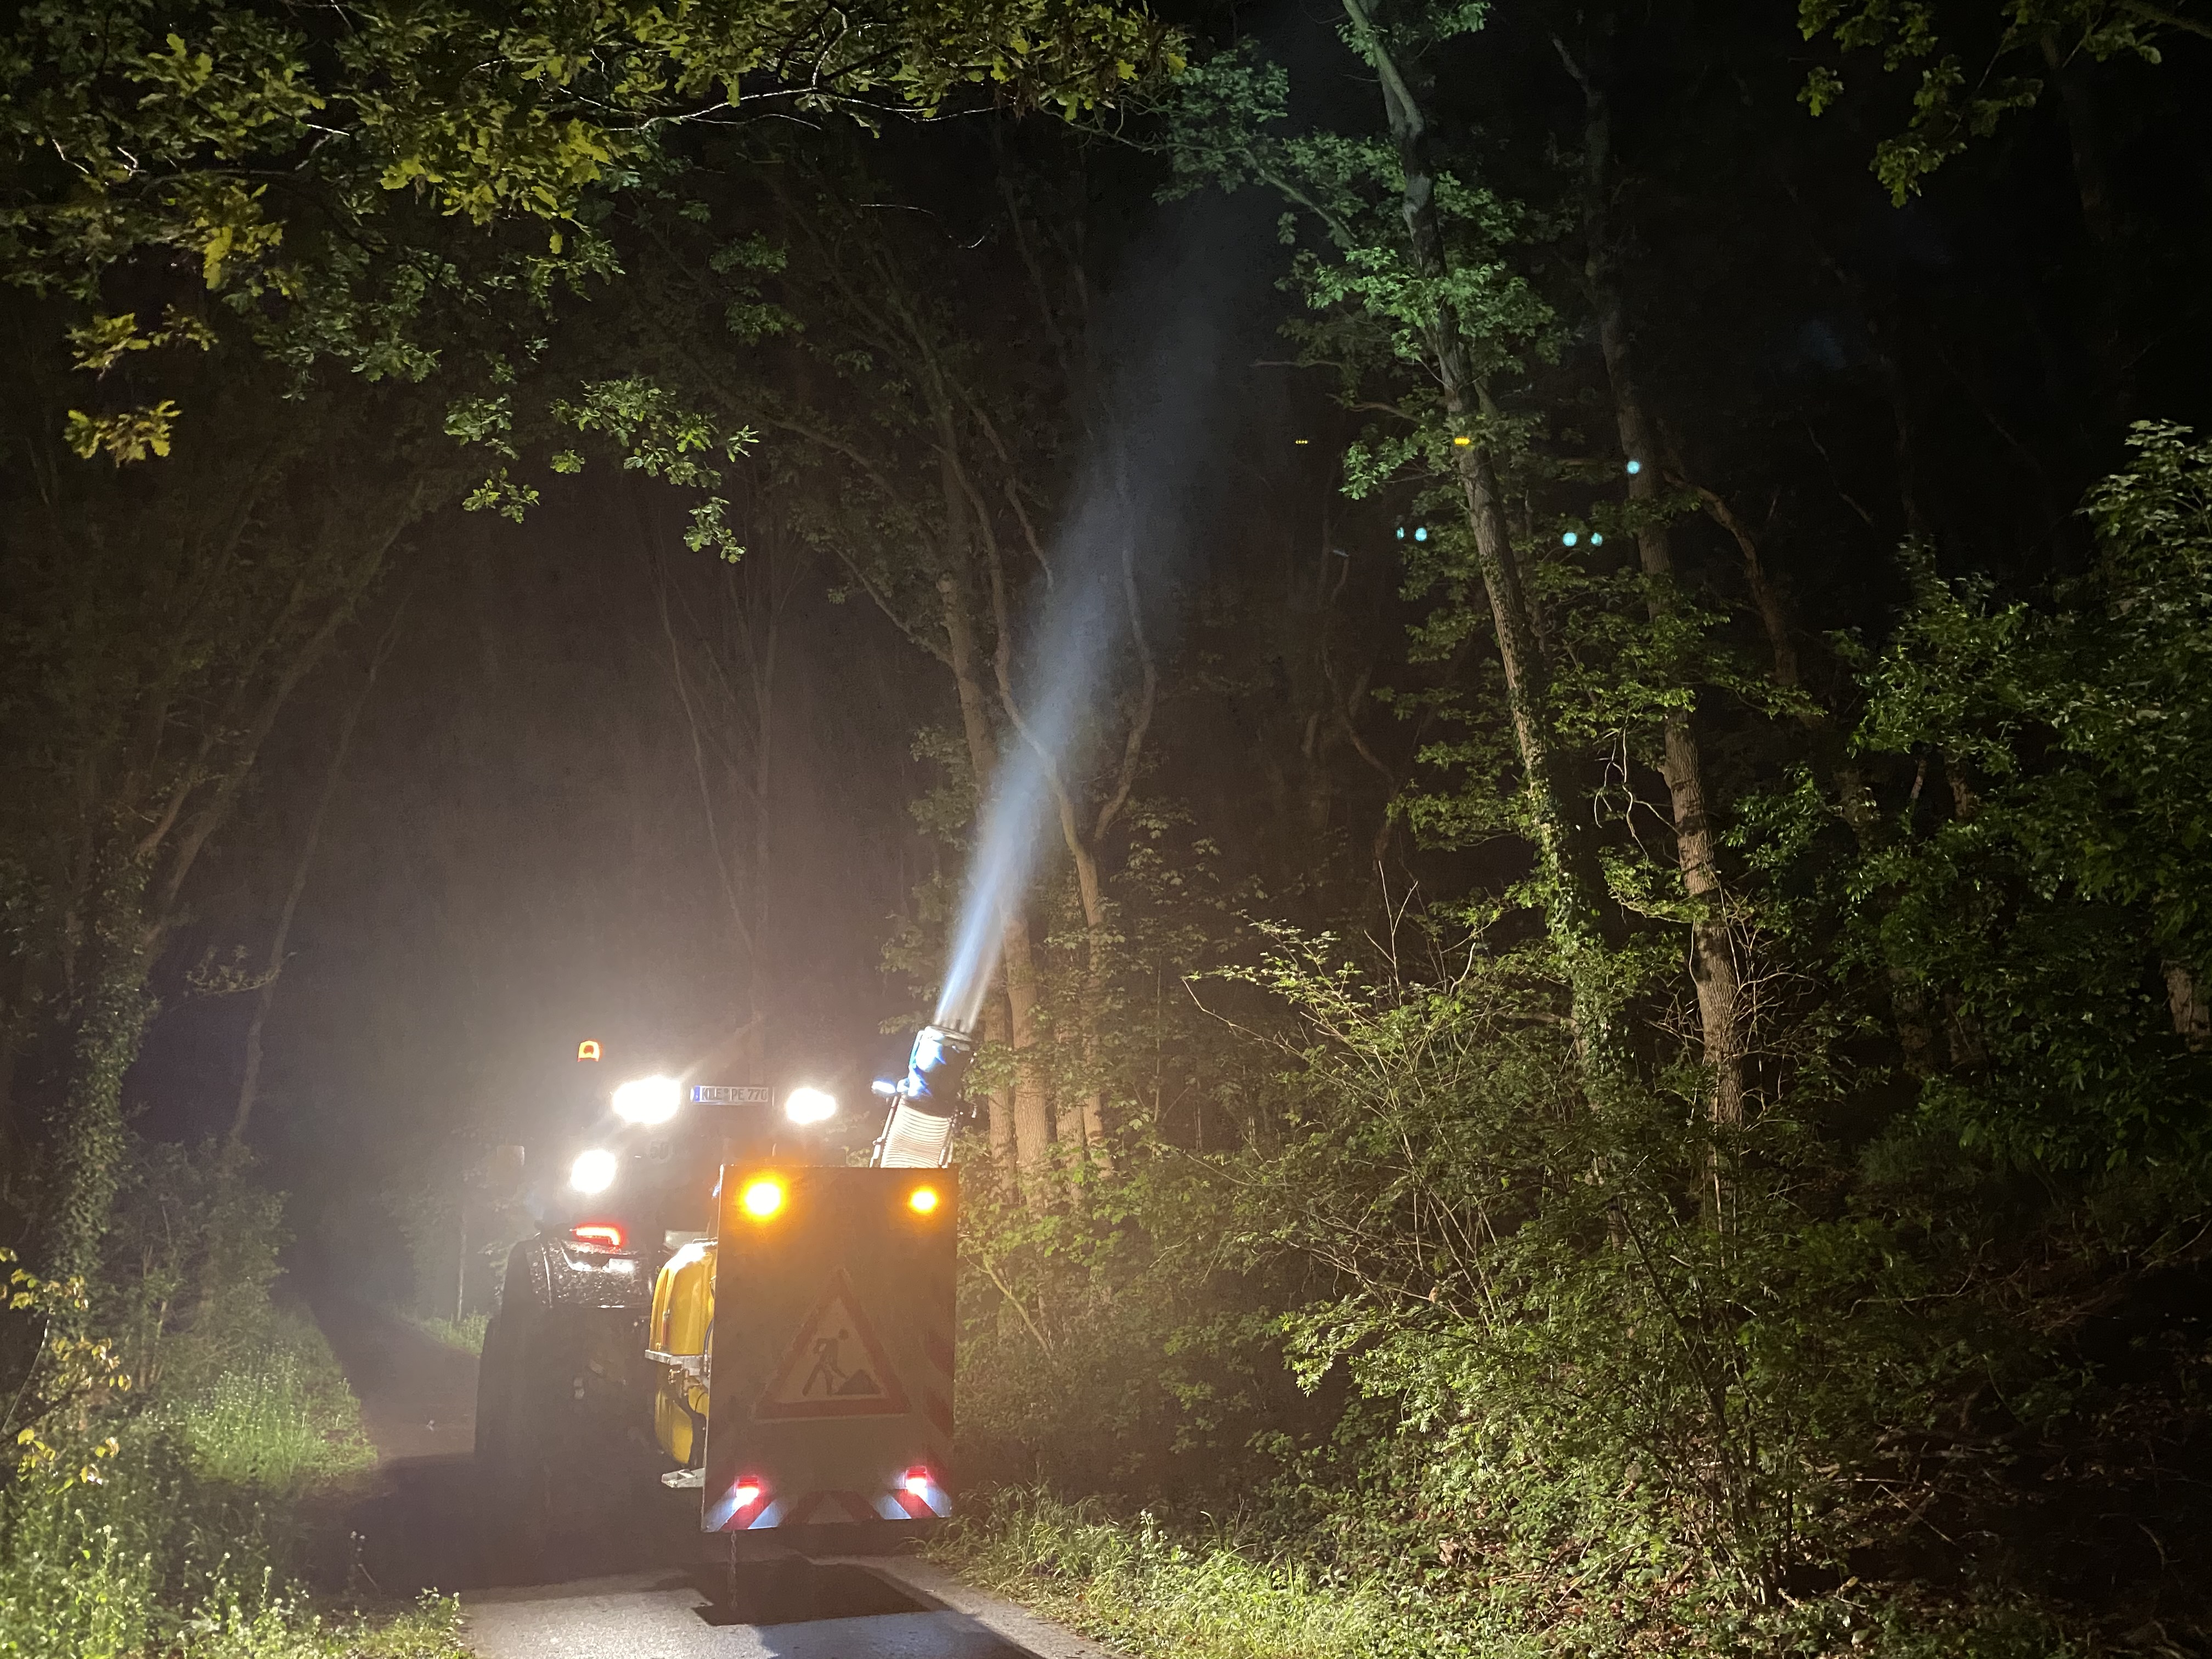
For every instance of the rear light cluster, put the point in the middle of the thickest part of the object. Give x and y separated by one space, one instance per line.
600 1235
765 1197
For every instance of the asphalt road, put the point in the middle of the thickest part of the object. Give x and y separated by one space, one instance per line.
646 1586
832 1610
418 1396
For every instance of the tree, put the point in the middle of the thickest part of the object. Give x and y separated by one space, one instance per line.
1697 843
294 168
2055 911
1949 109
157 632
265 994
1422 264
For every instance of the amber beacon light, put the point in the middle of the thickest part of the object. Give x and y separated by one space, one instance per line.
922 1199
762 1198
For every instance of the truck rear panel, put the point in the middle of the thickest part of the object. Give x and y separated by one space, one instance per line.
831 1369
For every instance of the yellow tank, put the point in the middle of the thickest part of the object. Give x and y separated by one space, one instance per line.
681 1338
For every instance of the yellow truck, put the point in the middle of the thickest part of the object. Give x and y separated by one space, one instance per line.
806 1347
792 1357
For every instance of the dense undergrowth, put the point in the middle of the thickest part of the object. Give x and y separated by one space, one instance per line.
1211 1591
1437 1344
179 1445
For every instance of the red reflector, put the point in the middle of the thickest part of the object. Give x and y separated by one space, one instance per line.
917 1482
600 1234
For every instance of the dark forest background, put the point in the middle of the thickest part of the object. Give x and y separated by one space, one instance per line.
1608 1051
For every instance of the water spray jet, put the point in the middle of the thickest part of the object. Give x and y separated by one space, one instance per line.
1161 405
1077 628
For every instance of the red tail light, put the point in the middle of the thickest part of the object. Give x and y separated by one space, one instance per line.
917 1482
600 1235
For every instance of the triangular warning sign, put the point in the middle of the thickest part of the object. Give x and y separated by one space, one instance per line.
834 1367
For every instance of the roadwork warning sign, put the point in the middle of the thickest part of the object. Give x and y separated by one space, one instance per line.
834 1367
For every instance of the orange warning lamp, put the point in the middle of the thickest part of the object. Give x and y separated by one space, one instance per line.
588 1049
762 1198
922 1199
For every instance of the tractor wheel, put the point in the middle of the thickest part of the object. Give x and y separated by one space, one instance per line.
495 1383
523 1439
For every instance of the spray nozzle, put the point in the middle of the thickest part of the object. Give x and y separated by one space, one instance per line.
926 1102
935 1069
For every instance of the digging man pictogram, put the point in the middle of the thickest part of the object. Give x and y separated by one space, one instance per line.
834 1379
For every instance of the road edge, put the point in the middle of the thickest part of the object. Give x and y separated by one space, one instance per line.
1006 1620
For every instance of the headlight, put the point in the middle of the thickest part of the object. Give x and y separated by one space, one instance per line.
594 1171
810 1106
648 1100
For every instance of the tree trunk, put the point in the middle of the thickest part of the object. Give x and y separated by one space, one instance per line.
208 819
1032 1106
88 1138
763 665
997 1034
2184 999
742 924
1082 1120
249 1084
2101 217
1574 897
1712 955
1083 1117
1766 598
1855 802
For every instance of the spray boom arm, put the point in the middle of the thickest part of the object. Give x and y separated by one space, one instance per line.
926 1103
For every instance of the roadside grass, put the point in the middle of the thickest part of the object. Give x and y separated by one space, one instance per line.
159 1556
430 1630
179 1442
272 1428
1155 1596
74 1588
466 1334
174 1528
102 1603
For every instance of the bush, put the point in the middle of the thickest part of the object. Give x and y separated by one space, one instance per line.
77 1581
72 1586
153 1505
1600 1378
1158 1591
116 1563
